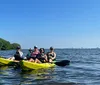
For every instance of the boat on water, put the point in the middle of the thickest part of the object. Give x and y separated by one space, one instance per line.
25 65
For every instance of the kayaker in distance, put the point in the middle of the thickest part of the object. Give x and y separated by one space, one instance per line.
18 55
42 57
51 55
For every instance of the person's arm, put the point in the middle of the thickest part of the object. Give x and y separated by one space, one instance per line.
46 57
12 58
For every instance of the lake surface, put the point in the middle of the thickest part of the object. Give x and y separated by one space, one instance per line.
84 69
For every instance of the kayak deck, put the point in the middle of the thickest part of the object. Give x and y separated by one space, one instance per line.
31 65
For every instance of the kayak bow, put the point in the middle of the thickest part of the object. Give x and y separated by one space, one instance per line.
4 61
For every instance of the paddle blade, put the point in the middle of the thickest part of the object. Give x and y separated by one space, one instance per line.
63 63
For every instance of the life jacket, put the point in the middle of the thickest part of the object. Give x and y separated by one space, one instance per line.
18 56
50 55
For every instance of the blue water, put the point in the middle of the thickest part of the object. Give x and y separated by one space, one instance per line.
84 69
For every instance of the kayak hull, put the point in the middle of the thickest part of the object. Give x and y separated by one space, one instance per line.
25 65
31 65
4 61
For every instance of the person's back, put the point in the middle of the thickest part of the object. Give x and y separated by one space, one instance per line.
19 54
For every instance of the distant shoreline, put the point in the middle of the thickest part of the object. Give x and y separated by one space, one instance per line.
60 49
6 45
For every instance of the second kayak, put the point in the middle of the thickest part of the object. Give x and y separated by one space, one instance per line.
4 61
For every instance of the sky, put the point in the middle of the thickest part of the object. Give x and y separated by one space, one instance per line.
45 23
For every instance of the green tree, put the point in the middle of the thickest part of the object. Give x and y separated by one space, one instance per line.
6 45
1 44
14 45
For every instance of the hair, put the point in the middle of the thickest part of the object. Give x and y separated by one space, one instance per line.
51 48
41 50
30 49
18 47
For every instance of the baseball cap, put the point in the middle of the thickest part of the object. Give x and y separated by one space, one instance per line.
35 47
18 47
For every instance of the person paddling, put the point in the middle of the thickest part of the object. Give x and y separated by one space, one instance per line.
51 55
18 55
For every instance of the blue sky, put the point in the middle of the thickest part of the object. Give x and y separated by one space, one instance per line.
45 23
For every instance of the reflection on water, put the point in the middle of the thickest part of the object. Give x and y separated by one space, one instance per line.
3 67
9 75
38 76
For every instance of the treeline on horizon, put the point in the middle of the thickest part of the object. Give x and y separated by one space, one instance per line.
6 45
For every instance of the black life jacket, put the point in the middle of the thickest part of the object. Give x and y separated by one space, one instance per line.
17 56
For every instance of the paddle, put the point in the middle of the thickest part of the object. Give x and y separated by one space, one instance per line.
62 63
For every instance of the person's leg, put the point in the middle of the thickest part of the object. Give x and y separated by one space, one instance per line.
31 60
46 58
16 61
37 61
50 60
11 58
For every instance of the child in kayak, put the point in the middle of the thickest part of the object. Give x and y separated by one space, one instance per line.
18 55
51 55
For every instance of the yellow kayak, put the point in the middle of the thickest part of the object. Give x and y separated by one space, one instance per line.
4 61
25 65
31 65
